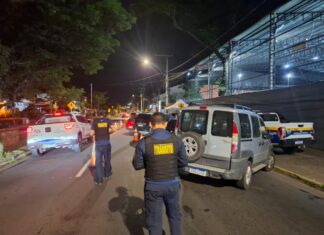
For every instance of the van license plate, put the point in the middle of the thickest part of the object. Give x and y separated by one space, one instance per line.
299 142
198 171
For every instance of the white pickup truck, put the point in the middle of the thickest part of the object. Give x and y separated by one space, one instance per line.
287 135
58 130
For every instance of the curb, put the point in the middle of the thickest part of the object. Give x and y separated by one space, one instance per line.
17 160
304 179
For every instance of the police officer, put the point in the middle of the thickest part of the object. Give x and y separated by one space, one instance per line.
161 154
100 129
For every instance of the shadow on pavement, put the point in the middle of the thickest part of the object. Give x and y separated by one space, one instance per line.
208 181
128 133
131 209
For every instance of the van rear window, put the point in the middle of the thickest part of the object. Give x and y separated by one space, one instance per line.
222 124
194 120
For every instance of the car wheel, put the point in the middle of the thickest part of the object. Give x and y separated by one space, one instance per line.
78 147
270 162
36 152
194 145
246 180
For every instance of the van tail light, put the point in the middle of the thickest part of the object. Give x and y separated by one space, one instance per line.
282 132
234 138
177 124
68 126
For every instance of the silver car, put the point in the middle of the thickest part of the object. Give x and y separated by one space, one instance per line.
225 141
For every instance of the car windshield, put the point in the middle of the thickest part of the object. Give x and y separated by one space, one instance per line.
194 120
145 117
269 117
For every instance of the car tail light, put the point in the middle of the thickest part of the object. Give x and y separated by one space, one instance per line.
203 107
68 126
281 132
29 130
58 114
130 124
234 138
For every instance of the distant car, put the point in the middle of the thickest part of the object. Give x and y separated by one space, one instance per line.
130 124
132 115
142 123
58 130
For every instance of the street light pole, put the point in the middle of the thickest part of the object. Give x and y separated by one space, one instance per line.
166 77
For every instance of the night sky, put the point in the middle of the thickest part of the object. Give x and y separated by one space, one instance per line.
152 35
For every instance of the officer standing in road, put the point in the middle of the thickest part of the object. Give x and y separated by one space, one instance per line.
100 129
161 154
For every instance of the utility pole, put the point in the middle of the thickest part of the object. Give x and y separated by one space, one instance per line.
91 95
141 97
166 77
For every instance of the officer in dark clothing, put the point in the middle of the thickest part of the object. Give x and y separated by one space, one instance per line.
100 129
161 154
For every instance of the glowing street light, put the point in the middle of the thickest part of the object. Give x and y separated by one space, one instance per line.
146 61
287 66
289 75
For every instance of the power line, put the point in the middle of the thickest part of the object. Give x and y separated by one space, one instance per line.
195 55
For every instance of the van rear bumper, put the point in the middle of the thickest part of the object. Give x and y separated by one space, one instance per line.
234 173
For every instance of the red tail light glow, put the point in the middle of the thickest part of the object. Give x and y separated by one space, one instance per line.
130 124
68 126
281 132
58 114
234 138
203 107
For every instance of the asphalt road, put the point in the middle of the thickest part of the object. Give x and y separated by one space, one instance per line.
43 196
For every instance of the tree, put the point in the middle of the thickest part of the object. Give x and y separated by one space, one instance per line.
41 42
99 99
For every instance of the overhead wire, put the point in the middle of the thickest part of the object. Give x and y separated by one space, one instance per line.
195 55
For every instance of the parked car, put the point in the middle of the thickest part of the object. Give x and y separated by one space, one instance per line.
285 134
58 130
142 123
226 141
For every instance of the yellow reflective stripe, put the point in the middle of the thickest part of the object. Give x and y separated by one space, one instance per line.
291 129
162 149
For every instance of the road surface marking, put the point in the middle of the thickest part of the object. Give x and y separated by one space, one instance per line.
83 169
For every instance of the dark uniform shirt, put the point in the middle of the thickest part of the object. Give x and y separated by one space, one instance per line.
159 134
101 128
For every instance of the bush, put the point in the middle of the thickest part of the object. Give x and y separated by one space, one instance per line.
31 112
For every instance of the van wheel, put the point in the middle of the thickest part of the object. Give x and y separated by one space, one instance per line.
270 162
194 145
246 180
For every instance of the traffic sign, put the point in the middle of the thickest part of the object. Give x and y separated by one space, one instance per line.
71 105
181 105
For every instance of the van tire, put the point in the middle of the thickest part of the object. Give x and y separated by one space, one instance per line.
194 145
246 180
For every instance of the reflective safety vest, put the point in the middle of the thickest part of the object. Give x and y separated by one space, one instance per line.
160 158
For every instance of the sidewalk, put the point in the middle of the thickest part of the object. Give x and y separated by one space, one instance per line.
306 166
13 158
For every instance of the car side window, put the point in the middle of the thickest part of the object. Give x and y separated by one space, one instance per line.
255 127
79 118
245 126
222 124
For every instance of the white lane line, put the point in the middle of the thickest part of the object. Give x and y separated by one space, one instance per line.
83 169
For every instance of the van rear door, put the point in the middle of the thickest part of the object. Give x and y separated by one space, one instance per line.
219 143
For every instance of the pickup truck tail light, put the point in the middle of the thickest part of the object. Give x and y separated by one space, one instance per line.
282 132
29 130
68 126
234 138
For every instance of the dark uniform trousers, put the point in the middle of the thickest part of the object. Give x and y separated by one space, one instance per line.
103 162
157 195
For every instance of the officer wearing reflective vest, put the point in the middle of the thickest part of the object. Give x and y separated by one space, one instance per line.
100 129
161 154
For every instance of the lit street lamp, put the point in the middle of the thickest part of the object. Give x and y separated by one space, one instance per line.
289 75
